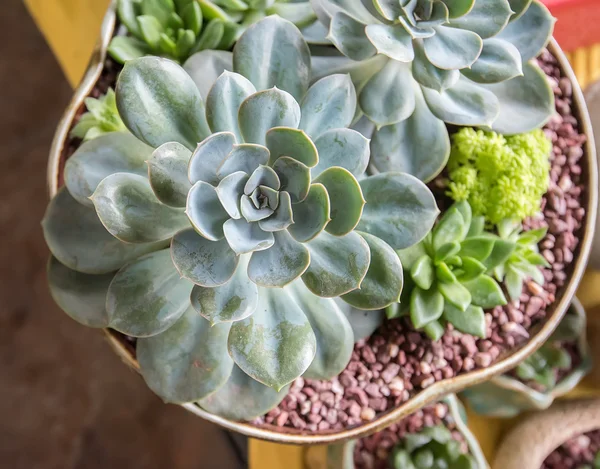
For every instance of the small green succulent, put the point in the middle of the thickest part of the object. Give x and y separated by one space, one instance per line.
432 448
177 29
541 367
223 231
421 63
446 275
595 463
102 117
499 176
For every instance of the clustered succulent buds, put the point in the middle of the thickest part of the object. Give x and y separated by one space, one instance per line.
543 365
102 117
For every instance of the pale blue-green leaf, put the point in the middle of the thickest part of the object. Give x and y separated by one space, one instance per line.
159 103
246 157
267 109
428 74
471 321
312 215
126 48
360 72
230 190
206 67
363 323
262 176
167 171
224 100
251 212
487 18
147 296
276 344
294 177
299 13
201 261
530 32
426 306
458 8
279 265
526 103
383 283
325 9
345 198
389 9
208 157
205 211
350 38
283 216
412 256
452 48
391 40
499 61
128 13
187 362
242 398
81 296
466 103
128 208
419 145
98 158
345 148
316 34
518 7
329 104
244 237
400 209
286 65
338 265
416 32
295 143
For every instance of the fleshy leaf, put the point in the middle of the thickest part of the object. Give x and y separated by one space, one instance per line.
277 334
485 292
345 148
98 158
128 208
187 362
281 50
230 190
391 40
294 143
451 228
294 177
428 74
499 61
338 265
349 37
283 216
389 9
312 215
206 67
383 283
399 209
250 212
518 7
422 272
455 293
471 321
159 103
208 157
205 211
457 8
487 18
452 48
262 176
246 157
147 296
244 237
425 306
363 323
167 169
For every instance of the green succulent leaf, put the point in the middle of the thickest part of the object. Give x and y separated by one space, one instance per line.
434 330
299 13
363 323
389 9
286 66
458 8
338 265
478 247
98 158
487 18
167 170
127 14
147 296
423 272
294 143
192 17
451 228
81 296
399 209
470 321
518 7
349 36
205 211
452 48
426 306
159 9
345 148
500 253
499 61
514 283
455 293
205 67
384 280
391 40
159 103
427 74
211 36
470 269
208 157
187 362
276 344
294 177
312 215
151 30
485 292
126 48
244 237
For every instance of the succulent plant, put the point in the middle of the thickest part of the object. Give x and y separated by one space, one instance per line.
421 63
102 117
226 255
542 366
445 275
176 29
499 176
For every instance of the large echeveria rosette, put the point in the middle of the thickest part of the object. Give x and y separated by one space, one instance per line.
260 217
421 63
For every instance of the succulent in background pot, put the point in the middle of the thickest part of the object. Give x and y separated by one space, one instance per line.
554 370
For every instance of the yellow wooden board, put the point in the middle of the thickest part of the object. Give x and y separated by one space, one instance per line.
71 28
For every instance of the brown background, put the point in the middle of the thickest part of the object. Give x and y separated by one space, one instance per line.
66 401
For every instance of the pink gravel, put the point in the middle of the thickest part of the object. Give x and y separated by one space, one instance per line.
575 453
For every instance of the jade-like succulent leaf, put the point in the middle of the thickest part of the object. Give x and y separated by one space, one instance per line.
249 210
335 338
267 109
478 247
329 104
425 306
230 190
389 9
294 177
454 292
499 61
338 265
187 362
281 50
312 215
262 176
299 13
282 217
202 261
485 292
128 15
380 99
242 398
98 158
518 7
281 264
526 103
349 37
286 141
206 67
429 75
383 283
360 72
457 8
345 198
208 157
363 323
224 100
422 272
205 211
147 296
128 208
451 228
81 296
399 209
466 103
471 321
419 145
246 157
487 18
530 32
276 344
345 148
244 237
391 40
167 169
452 48
126 48
159 103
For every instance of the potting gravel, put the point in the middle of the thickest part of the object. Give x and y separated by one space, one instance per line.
575 453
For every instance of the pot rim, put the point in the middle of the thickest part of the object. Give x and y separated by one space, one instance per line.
439 389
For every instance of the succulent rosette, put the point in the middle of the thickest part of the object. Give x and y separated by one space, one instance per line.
421 63
225 232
